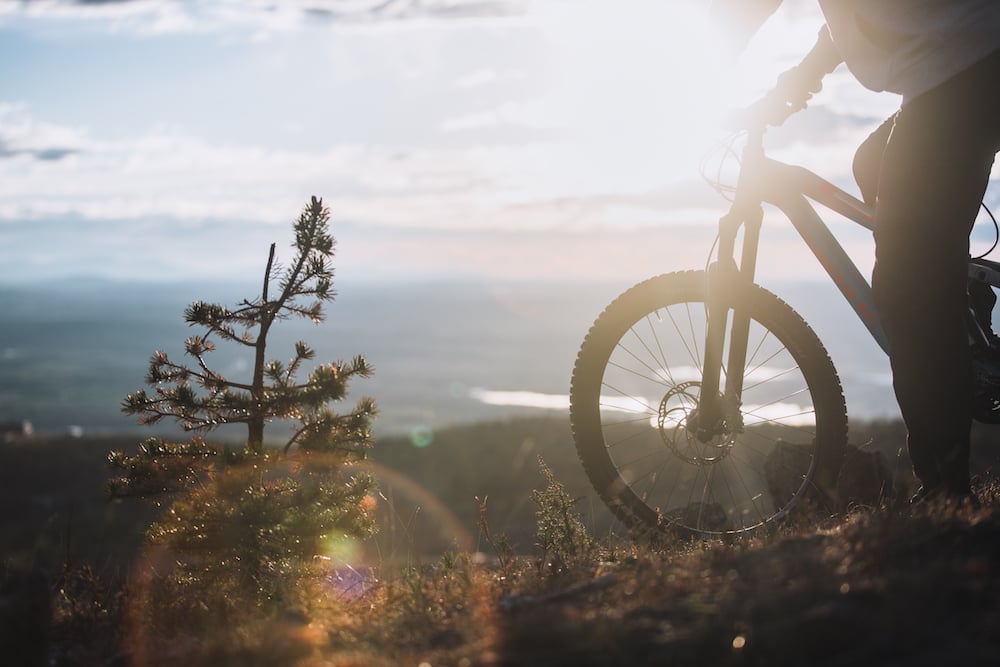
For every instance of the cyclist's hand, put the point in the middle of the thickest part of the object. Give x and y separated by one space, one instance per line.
796 87
793 91
770 110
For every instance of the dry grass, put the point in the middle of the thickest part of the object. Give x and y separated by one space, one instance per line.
886 585
877 587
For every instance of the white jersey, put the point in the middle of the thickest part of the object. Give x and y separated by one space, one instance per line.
911 46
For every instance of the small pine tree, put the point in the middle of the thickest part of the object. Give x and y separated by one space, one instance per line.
252 517
200 399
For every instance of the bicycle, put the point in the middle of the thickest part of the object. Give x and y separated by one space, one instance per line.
700 402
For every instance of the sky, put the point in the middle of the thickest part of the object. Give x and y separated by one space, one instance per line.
527 140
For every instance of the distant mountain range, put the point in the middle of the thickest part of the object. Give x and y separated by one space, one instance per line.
443 353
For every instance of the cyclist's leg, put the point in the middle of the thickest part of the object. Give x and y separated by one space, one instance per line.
936 167
868 160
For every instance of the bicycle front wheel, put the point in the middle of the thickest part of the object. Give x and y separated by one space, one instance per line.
636 390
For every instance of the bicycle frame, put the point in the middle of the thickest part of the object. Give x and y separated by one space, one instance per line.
789 188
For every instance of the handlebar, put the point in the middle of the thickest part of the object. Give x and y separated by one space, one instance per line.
770 110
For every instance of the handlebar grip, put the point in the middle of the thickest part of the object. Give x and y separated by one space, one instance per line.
770 110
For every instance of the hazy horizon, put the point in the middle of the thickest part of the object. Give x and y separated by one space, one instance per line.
443 353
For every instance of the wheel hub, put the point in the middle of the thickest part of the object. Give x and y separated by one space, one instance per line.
677 422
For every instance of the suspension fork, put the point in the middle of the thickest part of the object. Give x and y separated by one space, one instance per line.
718 411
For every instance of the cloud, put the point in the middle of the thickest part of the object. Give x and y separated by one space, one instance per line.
483 77
823 124
168 16
510 114
23 132
165 249
47 170
46 154
137 207
24 137
518 152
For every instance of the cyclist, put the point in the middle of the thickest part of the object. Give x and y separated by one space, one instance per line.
926 170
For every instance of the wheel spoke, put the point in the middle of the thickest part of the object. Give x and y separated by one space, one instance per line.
637 384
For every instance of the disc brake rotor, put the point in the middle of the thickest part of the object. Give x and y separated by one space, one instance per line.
677 406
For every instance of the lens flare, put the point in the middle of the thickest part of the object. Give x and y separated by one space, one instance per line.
340 548
421 436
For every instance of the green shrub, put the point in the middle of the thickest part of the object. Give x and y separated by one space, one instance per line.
565 543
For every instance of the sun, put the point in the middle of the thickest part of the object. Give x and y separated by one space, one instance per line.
651 77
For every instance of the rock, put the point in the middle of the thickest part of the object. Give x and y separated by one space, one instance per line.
865 478
784 469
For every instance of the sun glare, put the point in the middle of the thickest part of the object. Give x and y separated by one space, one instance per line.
646 86
647 73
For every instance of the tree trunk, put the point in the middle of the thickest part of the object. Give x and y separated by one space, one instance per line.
255 423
